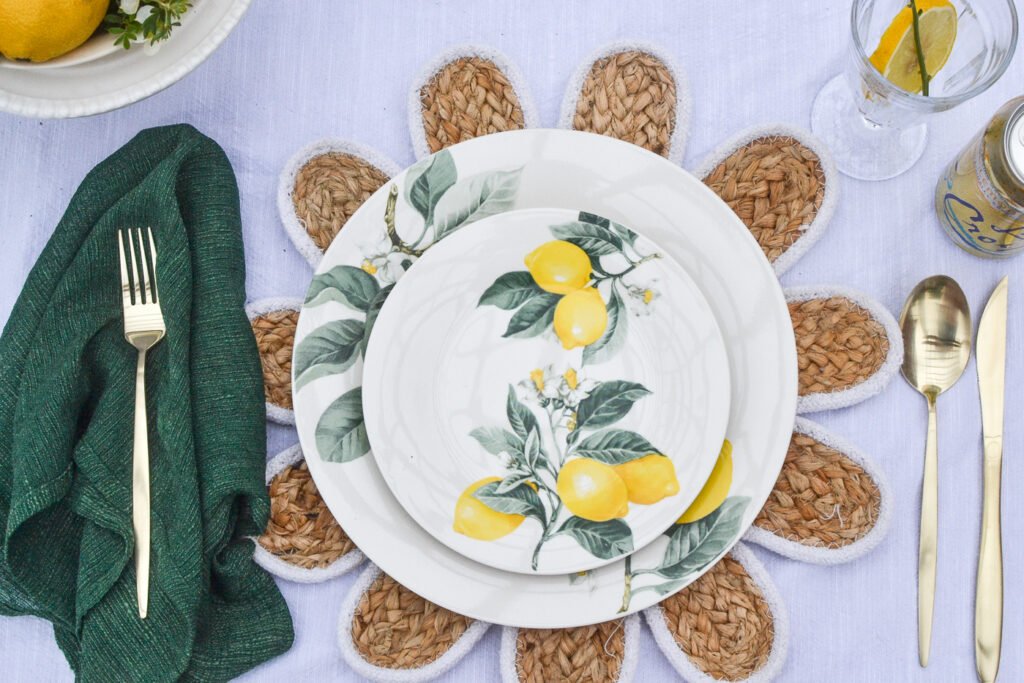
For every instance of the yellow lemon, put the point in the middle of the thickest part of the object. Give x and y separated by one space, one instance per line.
592 490
43 29
580 318
559 266
649 479
715 489
476 520
896 56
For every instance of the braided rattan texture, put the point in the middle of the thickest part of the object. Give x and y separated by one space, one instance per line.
394 628
302 531
722 622
275 335
630 96
775 185
822 498
587 653
328 190
467 98
838 343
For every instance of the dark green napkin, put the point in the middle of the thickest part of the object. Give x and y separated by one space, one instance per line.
67 387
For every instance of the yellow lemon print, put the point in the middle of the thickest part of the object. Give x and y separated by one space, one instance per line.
559 266
592 490
896 56
580 318
715 489
43 29
476 520
649 479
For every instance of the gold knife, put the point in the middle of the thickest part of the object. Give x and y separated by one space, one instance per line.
988 601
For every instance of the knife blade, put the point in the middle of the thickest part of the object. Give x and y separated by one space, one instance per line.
988 602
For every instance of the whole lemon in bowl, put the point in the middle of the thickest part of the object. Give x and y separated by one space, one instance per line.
39 30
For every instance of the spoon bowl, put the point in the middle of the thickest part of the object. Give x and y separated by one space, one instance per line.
936 326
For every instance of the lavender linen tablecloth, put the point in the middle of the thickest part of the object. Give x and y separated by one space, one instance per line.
295 72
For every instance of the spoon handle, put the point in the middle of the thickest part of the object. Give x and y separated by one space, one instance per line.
929 536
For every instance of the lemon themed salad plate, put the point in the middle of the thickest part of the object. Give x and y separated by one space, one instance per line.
534 169
545 391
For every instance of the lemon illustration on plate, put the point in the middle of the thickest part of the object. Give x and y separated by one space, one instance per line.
592 490
559 267
39 30
648 479
580 318
476 520
896 56
715 489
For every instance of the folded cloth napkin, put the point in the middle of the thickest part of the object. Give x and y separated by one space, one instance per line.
67 388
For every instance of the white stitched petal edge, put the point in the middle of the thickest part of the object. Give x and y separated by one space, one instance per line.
780 626
876 382
285 570
828 202
507 66
684 102
275 413
292 223
833 555
350 604
630 652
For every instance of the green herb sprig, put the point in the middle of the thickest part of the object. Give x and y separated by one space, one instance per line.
925 78
163 16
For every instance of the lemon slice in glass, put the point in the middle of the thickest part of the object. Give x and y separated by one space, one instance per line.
896 56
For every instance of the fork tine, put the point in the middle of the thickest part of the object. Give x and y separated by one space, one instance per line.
133 267
152 264
143 268
126 295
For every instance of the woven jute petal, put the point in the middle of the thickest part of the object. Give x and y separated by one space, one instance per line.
838 343
587 653
722 622
775 185
392 627
630 96
275 335
822 498
467 98
302 531
328 190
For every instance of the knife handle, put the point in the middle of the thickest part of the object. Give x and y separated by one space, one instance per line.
929 538
988 601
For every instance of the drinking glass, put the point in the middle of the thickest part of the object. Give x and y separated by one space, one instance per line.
874 128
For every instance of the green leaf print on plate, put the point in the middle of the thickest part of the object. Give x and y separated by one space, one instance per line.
601 539
521 499
609 403
614 447
476 197
340 432
345 284
614 337
327 350
427 180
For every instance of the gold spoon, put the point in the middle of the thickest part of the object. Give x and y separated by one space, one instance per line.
936 325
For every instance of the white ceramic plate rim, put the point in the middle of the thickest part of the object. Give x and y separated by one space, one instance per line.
689 310
178 55
428 568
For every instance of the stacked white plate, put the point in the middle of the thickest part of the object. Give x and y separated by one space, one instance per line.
565 329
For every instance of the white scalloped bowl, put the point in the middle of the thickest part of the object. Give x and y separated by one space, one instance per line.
98 76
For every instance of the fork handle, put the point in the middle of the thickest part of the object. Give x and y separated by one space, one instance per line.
140 489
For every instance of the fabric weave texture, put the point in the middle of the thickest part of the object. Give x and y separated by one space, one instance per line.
67 394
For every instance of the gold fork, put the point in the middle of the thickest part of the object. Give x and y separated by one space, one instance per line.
143 328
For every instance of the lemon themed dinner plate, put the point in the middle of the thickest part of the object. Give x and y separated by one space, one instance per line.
539 169
545 391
